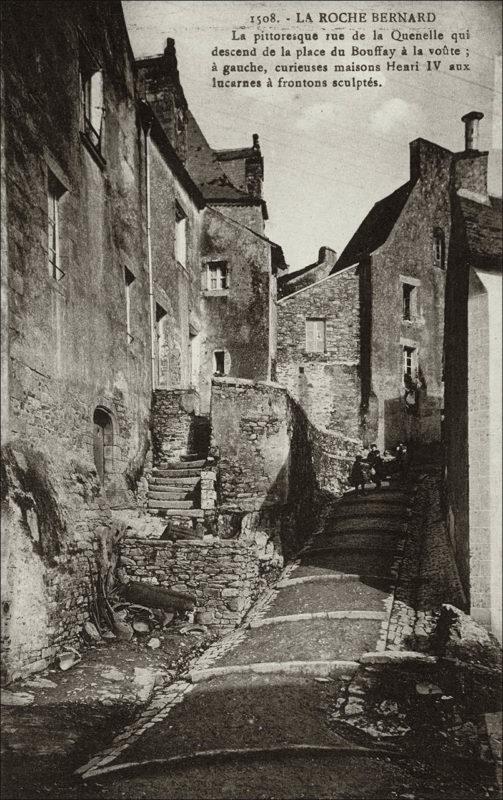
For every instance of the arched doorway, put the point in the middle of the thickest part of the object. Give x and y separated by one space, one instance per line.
102 442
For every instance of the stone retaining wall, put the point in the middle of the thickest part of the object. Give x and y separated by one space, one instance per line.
225 575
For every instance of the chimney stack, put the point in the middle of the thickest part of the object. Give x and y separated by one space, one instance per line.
471 121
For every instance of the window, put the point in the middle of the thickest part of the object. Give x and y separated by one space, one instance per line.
54 193
218 276
408 301
180 235
92 104
315 335
409 361
439 248
128 282
219 362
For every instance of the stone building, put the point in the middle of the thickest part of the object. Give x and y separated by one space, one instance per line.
116 276
382 374
318 350
473 386
77 387
239 265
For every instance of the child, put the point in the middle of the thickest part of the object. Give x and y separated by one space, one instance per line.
357 476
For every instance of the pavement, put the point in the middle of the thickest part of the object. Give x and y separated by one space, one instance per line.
258 692
294 703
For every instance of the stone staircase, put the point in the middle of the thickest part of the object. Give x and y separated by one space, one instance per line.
174 487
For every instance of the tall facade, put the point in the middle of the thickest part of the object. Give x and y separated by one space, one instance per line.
119 279
239 265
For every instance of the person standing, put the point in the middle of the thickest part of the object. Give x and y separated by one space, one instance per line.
357 475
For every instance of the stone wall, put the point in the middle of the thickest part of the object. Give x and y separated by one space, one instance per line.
272 462
68 346
332 455
325 384
48 524
176 286
173 423
225 575
235 320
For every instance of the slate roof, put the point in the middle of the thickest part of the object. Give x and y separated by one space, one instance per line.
203 165
375 228
483 229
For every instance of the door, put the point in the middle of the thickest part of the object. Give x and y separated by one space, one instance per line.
102 442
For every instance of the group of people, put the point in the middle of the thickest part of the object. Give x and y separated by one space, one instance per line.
376 468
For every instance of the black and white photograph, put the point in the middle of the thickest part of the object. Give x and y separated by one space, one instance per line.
251 382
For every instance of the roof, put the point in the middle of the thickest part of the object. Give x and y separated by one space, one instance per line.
375 228
203 165
169 153
483 228
306 276
278 257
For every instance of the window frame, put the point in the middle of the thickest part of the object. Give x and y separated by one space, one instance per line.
91 77
408 302
55 192
217 274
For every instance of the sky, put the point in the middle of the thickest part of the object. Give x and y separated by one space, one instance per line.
330 154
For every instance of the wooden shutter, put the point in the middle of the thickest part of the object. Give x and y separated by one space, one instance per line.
310 339
319 327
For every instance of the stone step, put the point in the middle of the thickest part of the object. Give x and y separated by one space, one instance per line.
376 510
368 523
156 494
392 497
178 465
172 483
194 513
176 473
192 457
171 504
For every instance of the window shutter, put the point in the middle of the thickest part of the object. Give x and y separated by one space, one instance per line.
310 344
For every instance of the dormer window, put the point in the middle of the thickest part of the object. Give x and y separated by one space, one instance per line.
439 248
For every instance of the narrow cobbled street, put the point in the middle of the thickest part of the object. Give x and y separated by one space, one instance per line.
254 715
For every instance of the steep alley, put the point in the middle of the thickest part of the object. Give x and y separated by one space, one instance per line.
258 692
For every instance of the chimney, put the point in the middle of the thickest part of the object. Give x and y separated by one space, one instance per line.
470 165
254 169
327 257
159 84
471 121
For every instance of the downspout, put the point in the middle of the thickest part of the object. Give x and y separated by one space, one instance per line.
147 127
4 266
